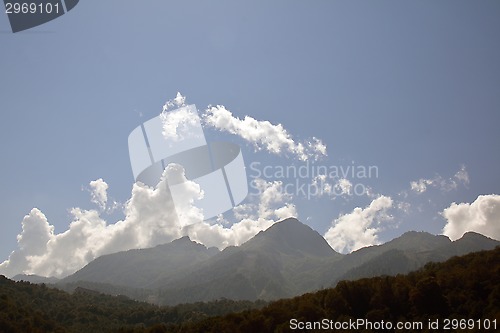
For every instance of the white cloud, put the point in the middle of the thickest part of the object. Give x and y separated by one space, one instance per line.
150 215
482 216
272 205
262 134
271 194
150 219
317 146
359 228
180 124
420 186
177 102
404 206
344 186
461 177
337 188
99 192
36 232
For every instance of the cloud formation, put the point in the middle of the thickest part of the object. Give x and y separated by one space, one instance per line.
150 219
461 177
271 205
482 216
177 102
99 192
341 187
150 215
180 124
263 134
359 228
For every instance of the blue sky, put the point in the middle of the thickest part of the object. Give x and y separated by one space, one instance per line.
412 87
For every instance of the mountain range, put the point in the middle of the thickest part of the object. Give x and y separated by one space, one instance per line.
286 260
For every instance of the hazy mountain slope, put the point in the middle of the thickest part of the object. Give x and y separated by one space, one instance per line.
33 278
409 242
401 261
470 242
283 261
137 268
286 260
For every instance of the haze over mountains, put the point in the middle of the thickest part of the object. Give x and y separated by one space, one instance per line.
286 260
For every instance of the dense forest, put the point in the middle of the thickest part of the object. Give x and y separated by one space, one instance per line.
33 308
466 287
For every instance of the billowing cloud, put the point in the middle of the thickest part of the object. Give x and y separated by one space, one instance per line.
263 134
179 124
482 216
150 215
33 239
99 192
460 177
150 219
359 228
272 205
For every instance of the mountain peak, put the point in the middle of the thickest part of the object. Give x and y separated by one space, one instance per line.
471 235
183 240
418 240
291 236
137 268
473 241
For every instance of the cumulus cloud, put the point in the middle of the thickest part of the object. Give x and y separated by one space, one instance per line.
359 228
482 216
180 124
99 192
461 177
263 134
150 216
150 219
271 204
33 239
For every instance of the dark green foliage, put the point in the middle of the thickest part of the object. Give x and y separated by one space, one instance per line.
26 307
463 287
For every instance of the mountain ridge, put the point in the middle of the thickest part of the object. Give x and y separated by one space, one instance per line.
285 260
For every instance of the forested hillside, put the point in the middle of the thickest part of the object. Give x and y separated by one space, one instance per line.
33 308
465 287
